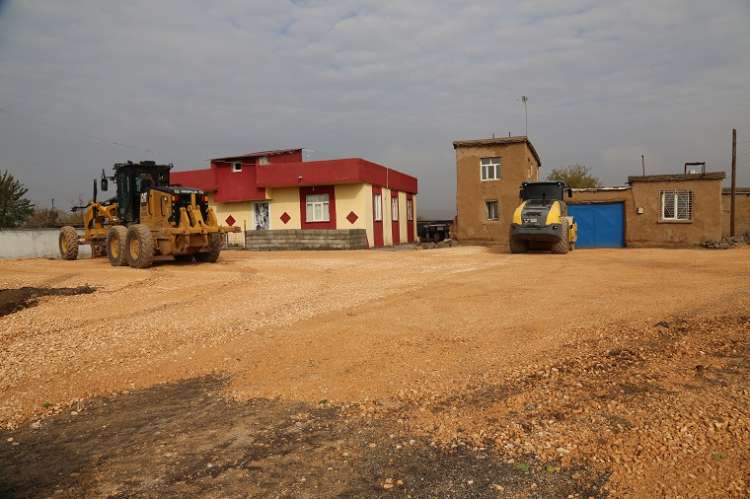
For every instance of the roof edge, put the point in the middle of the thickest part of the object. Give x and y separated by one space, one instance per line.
516 139
257 154
679 177
614 188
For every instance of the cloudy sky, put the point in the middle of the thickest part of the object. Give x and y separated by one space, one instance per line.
84 84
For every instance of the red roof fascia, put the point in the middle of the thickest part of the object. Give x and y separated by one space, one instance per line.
334 172
200 179
238 186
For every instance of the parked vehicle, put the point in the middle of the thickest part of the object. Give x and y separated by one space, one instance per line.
148 217
541 221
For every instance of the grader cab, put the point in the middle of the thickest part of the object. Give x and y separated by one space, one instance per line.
147 218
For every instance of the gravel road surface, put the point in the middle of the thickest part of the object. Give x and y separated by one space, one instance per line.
457 372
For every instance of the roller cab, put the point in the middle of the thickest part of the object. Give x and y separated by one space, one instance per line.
541 221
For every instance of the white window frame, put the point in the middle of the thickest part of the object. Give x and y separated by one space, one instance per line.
487 204
263 160
317 208
394 208
490 168
236 167
680 200
378 207
409 210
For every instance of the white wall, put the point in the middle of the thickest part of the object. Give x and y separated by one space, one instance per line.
35 243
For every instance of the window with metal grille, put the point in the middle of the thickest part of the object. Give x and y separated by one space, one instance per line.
490 168
409 210
316 209
492 210
394 207
677 205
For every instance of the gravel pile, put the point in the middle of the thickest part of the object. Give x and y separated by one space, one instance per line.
663 408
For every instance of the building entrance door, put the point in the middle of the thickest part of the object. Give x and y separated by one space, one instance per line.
261 216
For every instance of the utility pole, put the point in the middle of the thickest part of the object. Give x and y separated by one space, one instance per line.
643 164
734 181
525 99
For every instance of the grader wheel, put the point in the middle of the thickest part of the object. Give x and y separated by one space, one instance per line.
140 246
68 243
116 245
215 243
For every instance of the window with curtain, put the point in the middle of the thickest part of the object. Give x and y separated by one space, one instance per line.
317 208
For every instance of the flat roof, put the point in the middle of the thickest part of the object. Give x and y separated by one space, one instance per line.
334 172
497 141
602 189
258 154
678 177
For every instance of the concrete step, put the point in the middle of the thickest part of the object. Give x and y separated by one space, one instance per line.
315 239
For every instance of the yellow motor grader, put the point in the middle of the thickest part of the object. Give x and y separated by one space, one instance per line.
147 218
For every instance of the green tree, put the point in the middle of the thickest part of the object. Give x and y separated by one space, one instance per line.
577 176
14 207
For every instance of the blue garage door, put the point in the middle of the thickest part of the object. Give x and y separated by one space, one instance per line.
600 225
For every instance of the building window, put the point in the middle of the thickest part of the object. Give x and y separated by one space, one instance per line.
317 208
410 209
490 168
492 210
263 160
394 208
378 207
676 205
237 167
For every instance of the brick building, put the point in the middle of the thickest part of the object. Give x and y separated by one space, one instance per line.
653 210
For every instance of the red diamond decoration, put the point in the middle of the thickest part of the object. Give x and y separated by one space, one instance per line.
230 220
285 217
352 217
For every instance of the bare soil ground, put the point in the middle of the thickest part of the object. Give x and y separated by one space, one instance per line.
455 373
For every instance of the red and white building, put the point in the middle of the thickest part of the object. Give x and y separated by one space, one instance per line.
277 190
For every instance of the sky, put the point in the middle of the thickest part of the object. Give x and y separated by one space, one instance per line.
85 84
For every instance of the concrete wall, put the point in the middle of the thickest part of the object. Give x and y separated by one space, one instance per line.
242 212
387 220
518 165
742 213
284 200
36 243
406 225
349 198
357 199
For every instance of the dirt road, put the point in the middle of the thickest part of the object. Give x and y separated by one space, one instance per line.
453 372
